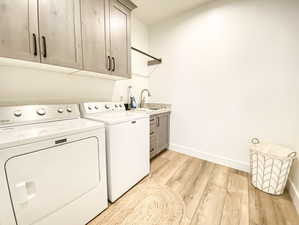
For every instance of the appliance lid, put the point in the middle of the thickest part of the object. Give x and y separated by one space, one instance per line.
25 134
117 117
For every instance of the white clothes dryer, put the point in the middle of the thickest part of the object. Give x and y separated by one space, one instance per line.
52 166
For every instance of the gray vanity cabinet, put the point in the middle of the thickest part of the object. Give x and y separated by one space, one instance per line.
163 131
159 133
153 137
95 46
19 30
60 33
120 38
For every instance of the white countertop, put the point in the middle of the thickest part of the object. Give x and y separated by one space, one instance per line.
151 111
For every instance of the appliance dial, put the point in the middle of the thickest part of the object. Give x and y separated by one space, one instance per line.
41 112
116 106
120 106
69 109
107 106
18 113
60 110
89 107
96 107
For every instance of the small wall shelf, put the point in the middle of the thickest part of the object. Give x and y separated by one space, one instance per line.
155 60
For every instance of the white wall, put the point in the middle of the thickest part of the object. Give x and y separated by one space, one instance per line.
140 40
20 85
229 70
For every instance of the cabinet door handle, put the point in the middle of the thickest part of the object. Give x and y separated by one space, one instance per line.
109 63
44 46
34 44
113 61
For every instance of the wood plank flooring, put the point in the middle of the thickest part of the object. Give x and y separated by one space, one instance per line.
182 190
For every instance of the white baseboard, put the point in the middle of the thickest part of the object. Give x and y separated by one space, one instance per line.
294 193
211 158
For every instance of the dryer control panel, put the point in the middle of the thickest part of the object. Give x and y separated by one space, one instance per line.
102 107
30 114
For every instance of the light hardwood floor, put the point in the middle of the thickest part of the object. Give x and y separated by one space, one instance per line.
182 190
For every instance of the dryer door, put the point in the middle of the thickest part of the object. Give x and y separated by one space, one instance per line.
46 181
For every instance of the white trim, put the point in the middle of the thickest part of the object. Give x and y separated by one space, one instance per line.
294 193
140 75
209 157
17 63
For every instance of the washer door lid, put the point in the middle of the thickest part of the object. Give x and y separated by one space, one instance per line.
45 182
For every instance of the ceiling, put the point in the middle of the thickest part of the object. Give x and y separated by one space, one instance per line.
154 11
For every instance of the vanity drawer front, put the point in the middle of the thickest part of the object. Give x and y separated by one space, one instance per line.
153 139
153 145
152 120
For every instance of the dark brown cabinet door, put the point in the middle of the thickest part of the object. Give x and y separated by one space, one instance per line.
60 33
93 36
19 30
120 39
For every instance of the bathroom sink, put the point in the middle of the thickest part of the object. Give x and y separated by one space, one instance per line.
147 109
154 108
142 109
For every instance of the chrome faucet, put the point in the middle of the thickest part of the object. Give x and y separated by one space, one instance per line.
142 99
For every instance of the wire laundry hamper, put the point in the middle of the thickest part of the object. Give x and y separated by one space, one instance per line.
270 166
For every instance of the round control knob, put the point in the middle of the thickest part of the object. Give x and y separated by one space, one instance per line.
120 106
69 110
18 113
89 107
60 110
41 112
107 106
116 106
96 107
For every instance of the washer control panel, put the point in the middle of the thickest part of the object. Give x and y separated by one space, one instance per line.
102 107
37 113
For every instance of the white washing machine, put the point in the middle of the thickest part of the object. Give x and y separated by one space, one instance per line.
127 144
52 166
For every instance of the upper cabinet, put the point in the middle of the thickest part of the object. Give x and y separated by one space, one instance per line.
19 30
90 35
94 40
120 39
60 32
